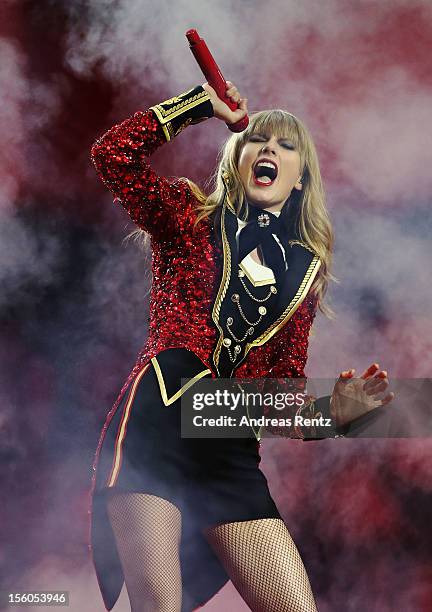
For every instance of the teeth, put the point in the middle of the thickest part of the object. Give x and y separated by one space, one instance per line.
266 164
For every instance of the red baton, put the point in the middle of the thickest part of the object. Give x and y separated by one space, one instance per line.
213 75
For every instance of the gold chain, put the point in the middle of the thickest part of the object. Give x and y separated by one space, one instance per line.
272 291
242 314
237 350
249 332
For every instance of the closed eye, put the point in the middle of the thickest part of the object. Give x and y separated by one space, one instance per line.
284 143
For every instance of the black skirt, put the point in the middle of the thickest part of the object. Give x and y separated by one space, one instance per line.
211 481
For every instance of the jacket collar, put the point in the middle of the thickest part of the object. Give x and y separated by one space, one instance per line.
303 266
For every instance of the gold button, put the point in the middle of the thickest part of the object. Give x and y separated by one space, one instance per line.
230 321
235 297
262 310
273 289
227 342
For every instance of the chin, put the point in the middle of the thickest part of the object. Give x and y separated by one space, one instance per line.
259 201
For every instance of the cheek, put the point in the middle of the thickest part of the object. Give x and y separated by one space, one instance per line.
291 169
247 155
244 164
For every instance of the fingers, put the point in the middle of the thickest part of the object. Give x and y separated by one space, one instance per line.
379 388
388 398
377 383
346 375
243 104
235 96
370 371
232 92
240 112
222 107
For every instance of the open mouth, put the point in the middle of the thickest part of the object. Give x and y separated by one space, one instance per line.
265 173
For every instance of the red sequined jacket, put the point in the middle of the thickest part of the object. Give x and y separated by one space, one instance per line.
191 272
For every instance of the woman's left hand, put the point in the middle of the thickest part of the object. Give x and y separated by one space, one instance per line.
353 397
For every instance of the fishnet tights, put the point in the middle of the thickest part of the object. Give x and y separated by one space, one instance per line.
147 529
264 565
259 556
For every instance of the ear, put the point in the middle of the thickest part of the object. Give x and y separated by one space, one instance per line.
299 184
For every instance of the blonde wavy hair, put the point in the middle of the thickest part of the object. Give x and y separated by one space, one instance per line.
312 221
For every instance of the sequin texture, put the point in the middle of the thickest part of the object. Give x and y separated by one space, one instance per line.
186 268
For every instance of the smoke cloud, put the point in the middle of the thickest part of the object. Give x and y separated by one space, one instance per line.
359 75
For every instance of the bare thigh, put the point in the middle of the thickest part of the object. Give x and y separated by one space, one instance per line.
264 565
147 529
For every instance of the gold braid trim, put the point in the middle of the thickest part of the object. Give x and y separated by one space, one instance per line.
173 108
303 244
226 274
292 306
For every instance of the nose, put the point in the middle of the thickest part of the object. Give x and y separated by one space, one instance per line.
269 146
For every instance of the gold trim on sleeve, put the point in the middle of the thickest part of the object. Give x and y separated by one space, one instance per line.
166 112
166 400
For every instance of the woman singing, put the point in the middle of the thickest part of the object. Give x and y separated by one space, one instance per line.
237 278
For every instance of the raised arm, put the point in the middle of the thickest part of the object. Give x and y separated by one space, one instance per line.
156 204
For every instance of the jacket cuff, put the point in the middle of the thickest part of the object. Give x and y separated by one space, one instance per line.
322 405
189 108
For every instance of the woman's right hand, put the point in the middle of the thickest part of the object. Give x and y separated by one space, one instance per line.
222 110
353 397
